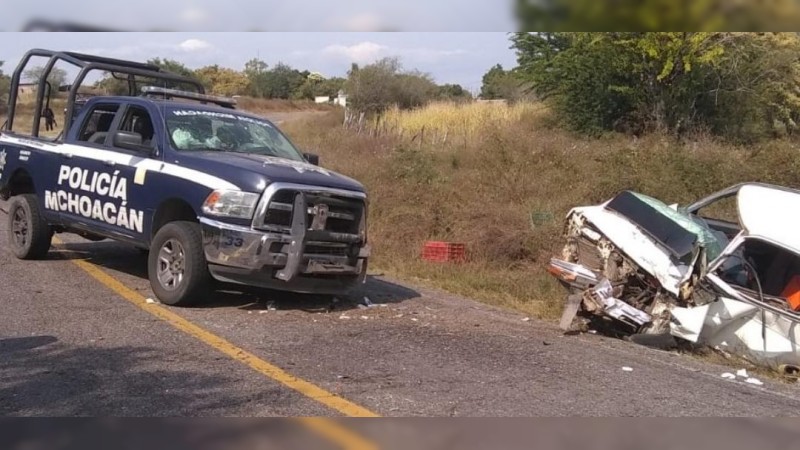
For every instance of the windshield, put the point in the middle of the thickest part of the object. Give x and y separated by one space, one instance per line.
199 130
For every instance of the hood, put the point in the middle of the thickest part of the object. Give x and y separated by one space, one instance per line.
662 241
639 247
253 172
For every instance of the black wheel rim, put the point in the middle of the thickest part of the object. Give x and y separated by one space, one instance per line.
19 227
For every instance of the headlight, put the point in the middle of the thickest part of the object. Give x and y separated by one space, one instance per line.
235 204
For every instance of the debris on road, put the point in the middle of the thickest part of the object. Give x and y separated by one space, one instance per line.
344 316
720 275
742 373
150 300
526 319
627 369
728 376
755 381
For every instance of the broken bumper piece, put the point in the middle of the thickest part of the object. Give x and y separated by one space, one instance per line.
600 300
306 261
575 275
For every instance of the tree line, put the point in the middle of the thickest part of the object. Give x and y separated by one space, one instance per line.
370 89
373 86
740 86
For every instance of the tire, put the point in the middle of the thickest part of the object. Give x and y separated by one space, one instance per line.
176 265
29 235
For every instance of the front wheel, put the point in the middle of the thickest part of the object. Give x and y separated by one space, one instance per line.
29 236
176 264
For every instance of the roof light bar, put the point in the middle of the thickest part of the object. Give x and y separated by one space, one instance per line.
155 91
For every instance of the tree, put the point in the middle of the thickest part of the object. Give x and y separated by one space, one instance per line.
329 87
171 65
255 70
501 84
453 92
254 67
413 89
5 85
639 81
737 85
654 15
282 81
222 80
56 77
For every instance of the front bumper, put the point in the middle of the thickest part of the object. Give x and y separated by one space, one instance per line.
243 255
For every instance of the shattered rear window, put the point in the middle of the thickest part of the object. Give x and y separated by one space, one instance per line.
705 236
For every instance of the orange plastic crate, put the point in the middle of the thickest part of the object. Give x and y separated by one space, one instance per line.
443 252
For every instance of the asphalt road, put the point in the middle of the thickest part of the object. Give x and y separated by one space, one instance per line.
71 346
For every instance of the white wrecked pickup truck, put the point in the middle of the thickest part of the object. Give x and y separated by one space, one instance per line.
722 272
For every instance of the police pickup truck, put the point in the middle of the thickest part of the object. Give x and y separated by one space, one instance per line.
211 193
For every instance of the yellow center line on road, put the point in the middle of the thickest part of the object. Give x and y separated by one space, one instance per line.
340 435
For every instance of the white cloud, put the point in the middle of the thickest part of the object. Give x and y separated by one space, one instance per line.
194 45
362 53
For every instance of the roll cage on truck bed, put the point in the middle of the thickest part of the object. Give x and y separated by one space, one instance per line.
251 217
87 64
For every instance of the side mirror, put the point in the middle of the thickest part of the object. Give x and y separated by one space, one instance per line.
311 158
130 141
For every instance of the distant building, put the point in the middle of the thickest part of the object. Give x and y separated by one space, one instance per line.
341 99
26 88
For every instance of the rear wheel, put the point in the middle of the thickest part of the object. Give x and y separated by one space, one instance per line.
29 236
176 264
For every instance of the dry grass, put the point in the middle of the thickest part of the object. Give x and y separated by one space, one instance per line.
505 191
23 117
263 105
445 121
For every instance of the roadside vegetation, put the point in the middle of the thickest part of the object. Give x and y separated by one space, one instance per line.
504 189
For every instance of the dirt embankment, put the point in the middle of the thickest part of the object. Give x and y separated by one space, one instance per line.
504 187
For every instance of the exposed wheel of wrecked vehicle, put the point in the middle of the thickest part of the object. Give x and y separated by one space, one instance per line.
176 264
29 236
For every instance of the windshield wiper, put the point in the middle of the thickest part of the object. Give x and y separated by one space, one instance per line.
216 149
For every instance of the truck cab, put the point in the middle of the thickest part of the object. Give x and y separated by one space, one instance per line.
210 192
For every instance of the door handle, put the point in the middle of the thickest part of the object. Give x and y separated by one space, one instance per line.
66 155
109 163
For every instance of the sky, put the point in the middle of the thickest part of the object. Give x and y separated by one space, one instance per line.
268 15
450 57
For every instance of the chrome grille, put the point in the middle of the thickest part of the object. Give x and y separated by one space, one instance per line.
327 209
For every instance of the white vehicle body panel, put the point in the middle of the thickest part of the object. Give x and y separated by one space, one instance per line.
637 245
763 334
